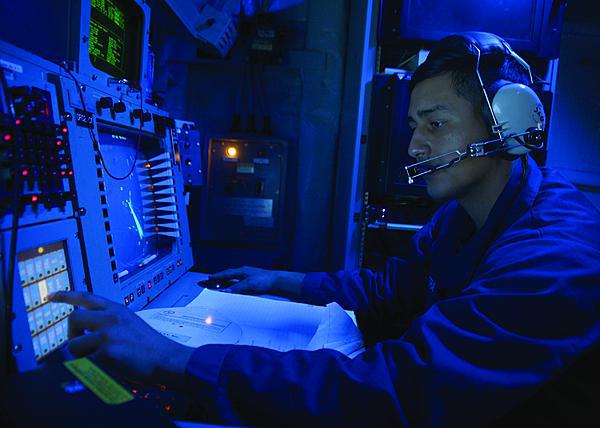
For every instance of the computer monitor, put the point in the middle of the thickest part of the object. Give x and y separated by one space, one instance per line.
115 37
531 26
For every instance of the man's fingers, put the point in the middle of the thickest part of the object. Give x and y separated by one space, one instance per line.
82 320
85 345
240 287
237 273
78 298
246 286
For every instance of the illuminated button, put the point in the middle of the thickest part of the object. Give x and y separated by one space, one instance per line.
7 137
34 198
231 152
24 172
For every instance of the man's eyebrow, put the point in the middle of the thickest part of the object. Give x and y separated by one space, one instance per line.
427 111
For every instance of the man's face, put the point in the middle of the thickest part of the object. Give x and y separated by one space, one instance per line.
442 121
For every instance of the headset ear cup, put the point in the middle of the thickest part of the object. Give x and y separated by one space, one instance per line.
518 110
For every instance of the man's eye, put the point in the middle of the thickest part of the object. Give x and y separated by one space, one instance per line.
437 124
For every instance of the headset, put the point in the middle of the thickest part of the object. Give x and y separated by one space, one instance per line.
517 113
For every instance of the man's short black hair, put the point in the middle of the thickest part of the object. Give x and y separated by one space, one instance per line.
454 55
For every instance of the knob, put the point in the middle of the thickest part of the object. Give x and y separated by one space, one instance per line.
119 107
138 113
104 102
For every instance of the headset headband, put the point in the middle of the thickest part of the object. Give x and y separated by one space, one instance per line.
481 44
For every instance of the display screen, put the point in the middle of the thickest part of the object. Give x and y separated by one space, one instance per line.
115 38
514 20
141 207
44 270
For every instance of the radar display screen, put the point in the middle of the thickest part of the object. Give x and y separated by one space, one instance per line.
115 38
142 206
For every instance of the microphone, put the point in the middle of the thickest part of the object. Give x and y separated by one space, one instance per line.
421 168
532 139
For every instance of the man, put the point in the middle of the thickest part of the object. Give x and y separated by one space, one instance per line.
501 293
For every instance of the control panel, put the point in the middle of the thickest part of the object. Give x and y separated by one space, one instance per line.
245 190
187 138
44 270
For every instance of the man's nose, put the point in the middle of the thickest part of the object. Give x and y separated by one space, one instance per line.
418 147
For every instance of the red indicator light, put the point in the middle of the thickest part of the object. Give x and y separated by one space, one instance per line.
58 143
64 130
18 122
156 229
7 137
70 172
24 172
34 198
149 284
63 172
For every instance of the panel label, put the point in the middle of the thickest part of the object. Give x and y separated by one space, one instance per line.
250 207
11 66
97 381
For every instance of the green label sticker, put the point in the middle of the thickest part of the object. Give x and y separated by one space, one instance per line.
97 381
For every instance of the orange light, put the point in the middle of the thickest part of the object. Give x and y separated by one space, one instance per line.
231 152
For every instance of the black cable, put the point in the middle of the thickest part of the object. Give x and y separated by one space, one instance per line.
63 65
236 124
10 363
250 125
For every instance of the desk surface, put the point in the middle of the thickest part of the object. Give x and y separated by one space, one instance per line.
180 293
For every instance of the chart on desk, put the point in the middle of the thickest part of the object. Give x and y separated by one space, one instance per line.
193 326
222 318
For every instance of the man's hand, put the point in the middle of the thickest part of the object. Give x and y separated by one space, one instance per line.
119 339
262 281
